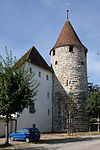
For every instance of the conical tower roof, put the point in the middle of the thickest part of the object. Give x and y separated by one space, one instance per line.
68 36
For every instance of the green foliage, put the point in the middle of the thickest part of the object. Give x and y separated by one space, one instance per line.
93 120
93 101
17 87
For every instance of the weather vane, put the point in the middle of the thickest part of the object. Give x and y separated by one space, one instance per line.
67 10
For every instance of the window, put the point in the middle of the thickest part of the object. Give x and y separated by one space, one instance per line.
30 70
85 53
48 112
48 95
47 77
70 48
66 82
53 52
40 74
32 108
82 63
56 62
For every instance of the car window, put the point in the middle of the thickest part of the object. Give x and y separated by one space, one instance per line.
26 131
19 131
34 130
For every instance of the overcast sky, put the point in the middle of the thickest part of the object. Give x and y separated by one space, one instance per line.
24 23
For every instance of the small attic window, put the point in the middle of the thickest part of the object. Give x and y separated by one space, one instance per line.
53 52
70 48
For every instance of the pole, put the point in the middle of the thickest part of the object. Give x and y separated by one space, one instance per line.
98 124
6 131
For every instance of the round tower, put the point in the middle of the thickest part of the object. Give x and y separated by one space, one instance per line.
69 64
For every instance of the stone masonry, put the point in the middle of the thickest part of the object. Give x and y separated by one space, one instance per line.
69 80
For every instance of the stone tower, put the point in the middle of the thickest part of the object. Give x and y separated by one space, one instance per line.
69 64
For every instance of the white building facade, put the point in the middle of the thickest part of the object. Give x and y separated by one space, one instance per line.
42 113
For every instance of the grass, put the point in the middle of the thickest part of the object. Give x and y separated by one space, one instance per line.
87 133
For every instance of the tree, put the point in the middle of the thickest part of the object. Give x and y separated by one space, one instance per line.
17 88
93 102
70 105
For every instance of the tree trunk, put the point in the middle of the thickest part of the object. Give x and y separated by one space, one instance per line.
98 124
69 122
15 125
6 131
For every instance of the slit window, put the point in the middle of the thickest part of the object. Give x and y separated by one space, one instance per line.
47 77
53 52
82 63
56 62
66 82
40 74
85 53
70 48
30 70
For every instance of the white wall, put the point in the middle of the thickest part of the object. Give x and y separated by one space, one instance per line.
2 129
41 118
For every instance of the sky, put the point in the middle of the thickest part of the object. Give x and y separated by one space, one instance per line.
24 23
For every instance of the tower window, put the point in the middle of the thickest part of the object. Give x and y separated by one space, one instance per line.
66 82
40 74
53 52
47 77
56 62
85 53
70 48
30 70
82 63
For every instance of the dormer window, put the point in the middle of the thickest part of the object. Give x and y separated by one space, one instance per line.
53 52
70 48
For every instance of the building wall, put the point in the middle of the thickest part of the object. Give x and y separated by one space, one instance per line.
2 129
69 80
42 118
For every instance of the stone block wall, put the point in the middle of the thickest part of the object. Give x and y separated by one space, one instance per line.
69 80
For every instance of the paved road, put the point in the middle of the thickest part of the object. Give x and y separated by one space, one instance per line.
85 143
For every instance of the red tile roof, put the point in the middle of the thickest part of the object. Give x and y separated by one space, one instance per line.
68 36
33 57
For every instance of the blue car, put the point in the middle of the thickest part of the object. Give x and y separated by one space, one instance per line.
26 134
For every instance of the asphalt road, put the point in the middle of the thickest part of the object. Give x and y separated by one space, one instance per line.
83 143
